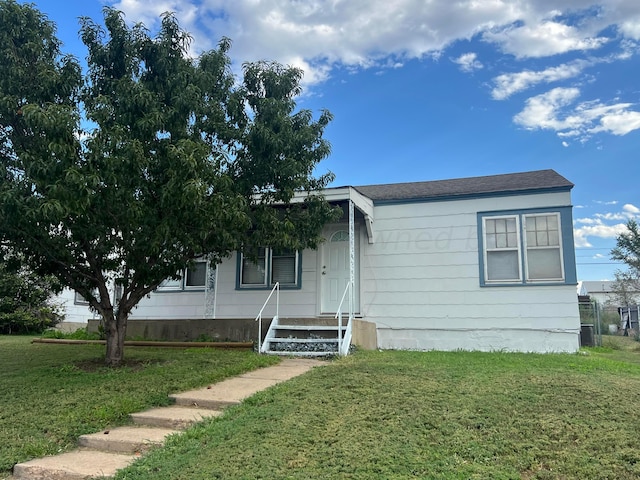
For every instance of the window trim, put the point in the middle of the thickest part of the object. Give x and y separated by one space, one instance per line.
269 283
566 247
518 249
78 299
526 247
182 285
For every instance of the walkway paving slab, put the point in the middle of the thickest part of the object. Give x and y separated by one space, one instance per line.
232 391
126 439
175 416
192 406
285 370
74 465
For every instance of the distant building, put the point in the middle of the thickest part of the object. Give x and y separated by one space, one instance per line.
601 291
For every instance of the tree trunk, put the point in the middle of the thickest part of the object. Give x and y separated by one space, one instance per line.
115 330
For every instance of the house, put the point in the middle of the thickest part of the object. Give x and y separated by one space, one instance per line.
482 263
603 292
600 291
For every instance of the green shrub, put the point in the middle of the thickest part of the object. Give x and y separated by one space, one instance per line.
26 321
25 305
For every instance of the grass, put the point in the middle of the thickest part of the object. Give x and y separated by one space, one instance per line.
392 415
401 415
51 394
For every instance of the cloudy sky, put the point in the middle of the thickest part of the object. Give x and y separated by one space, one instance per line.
435 89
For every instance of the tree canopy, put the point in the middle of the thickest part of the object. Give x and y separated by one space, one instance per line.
627 250
129 170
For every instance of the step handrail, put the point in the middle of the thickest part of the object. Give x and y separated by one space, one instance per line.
276 288
346 340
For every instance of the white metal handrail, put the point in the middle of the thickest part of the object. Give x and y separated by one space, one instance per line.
276 288
346 340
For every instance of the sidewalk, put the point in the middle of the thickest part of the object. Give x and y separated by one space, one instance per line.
102 454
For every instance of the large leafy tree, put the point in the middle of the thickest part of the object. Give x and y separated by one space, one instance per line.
126 172
627 250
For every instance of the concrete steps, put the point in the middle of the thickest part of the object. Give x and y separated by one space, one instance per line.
174 417
102 454
74 465
128 440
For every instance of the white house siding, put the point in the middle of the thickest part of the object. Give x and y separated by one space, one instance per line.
246 303
73 313
421 286
231 302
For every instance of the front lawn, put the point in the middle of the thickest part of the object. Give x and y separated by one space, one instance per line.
52 394
392 415
401 415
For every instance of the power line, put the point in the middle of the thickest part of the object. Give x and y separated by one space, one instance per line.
598 263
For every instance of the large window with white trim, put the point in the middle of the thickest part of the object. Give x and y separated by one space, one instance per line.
522 248
267 266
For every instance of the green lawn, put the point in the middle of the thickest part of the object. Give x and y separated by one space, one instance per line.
393 415
379 415
51 394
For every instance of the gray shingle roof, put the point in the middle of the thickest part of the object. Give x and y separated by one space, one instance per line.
596 286
463 187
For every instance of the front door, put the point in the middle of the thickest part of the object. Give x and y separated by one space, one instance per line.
334 272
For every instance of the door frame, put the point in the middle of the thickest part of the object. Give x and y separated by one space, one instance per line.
328 232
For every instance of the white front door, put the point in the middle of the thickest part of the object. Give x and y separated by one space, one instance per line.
334 272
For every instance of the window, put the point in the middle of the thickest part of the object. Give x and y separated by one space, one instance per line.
191 278
543 252
524 248
502 248
267 267
254 271
78 299
196 276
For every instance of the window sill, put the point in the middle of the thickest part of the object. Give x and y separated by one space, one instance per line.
186 290
267 287
525 284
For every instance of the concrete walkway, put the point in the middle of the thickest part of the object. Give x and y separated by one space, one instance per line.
102 454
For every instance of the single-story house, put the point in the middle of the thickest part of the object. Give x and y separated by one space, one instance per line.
482 263
605 294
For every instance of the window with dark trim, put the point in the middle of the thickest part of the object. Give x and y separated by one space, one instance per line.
190 278
267 266
526 247
78 299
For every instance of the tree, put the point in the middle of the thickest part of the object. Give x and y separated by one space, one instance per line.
129 171
25 305
627 284
625 289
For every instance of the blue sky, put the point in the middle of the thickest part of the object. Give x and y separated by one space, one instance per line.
428 90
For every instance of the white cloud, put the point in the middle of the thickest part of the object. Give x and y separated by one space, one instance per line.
606 225
543 39
551 111
630 209
509 83
619 121
468 62
544 111
631 27
601 230
322 34
587 221
611 216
